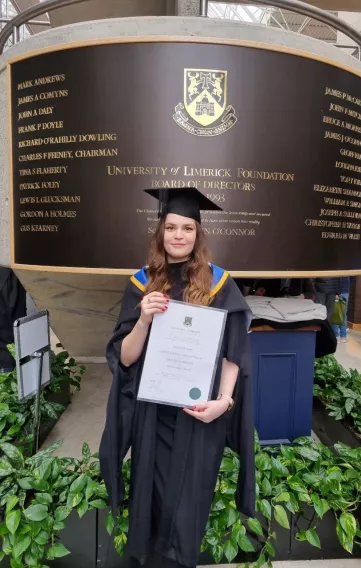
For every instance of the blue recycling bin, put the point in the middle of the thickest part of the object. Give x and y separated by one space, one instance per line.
283 373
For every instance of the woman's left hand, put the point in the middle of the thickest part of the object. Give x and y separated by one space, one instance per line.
208 411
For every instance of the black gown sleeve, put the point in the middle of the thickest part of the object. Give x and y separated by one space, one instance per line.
240 428
234 337
117 436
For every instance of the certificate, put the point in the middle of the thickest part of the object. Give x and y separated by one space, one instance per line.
182 355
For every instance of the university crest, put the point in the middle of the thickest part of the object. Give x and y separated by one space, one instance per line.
204 110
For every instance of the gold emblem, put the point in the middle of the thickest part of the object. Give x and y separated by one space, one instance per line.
205 103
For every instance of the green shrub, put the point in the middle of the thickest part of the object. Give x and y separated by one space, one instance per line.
289 478
17 417
340 390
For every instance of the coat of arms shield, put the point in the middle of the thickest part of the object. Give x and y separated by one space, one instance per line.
205 94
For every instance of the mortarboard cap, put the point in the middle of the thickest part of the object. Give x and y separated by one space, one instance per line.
188 202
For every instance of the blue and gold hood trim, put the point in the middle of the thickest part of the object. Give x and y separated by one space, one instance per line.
140 279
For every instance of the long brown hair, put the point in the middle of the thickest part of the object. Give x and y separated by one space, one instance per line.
198 273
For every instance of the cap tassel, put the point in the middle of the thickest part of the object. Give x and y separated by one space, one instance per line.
163 202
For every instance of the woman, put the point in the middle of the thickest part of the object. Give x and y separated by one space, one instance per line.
176 453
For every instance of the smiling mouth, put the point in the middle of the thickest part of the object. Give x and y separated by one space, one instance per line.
178 245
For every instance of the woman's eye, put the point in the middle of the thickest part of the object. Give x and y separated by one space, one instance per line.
189 229
169 228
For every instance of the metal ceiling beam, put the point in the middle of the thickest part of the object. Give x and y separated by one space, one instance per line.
334 5
312 12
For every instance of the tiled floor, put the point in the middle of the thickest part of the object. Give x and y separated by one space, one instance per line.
83 421
349 354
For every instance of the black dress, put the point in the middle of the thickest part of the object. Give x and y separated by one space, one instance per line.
175 458
165 431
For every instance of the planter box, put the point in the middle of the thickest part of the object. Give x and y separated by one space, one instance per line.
62 397
79 536
329 430
108 557
331 548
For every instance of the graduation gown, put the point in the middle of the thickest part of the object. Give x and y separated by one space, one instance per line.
176 458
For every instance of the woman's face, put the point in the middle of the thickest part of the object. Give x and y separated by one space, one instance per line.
180 234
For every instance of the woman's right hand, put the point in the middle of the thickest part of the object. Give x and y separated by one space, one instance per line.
152 303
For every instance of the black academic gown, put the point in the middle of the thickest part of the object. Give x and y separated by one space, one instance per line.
12 307
176 458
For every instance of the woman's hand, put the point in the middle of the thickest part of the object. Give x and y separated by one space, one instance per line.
208 411
153 303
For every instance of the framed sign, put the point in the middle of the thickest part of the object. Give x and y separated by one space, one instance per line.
273 137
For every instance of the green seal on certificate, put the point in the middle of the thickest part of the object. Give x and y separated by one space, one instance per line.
195 394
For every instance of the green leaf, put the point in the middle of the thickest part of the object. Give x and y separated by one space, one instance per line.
311 478
86 453
308 454
25 483
232 516
301 536
227 465
78 485
238 531
263 462
59 525
348 523
109 523
36 512
39 457
13 453
217 553
98 504
218 504
5 468
62 513
278 467
12 501
266 487
255 526
3 529
14 429
245 544
31 559
83 508
312 538
349 404
270 548
325 506
57 551
12 520
281 516
230 550
265 508
320 505
39 484
226 487
212 537
74 499
261 561
283 497
42 538
44 498
21 544
342 537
